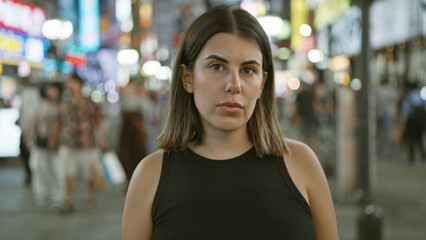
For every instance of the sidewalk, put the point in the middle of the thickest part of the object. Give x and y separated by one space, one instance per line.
401 195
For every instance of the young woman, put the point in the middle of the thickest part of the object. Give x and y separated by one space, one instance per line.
225 171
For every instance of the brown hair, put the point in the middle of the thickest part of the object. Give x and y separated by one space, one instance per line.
182 125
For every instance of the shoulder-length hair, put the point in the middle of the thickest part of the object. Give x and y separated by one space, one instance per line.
182 126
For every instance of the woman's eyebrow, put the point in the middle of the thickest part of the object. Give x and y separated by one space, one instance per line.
216 57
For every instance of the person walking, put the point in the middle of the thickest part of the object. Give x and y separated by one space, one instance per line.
224 170
81 132
386 100
413 121
133 137
45 184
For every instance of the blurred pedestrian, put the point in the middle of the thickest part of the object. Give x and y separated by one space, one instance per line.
30 96
132 144
224 170
413 122
45 183
387 97
309 123
81 133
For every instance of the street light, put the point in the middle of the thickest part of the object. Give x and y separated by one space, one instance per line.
57 29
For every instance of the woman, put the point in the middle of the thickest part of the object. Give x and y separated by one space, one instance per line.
225 171
45 185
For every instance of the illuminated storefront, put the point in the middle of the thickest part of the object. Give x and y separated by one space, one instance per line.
20 33
22 46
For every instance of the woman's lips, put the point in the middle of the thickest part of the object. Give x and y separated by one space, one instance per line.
230 107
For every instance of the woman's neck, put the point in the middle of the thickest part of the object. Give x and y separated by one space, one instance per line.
223 145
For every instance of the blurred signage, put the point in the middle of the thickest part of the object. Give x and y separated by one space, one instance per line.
75 55
396 21
328 12
299 16
89 23
16 47
68 11
22 17
346 33
20 32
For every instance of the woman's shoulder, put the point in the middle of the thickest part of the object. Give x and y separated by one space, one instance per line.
147 173
151 162
300 152
303 166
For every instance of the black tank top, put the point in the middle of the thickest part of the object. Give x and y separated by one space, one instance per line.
246 197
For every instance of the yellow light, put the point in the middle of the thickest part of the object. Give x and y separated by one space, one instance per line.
346 79
339 63
294 83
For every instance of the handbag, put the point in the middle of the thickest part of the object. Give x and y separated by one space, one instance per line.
113 170
41 141
98 176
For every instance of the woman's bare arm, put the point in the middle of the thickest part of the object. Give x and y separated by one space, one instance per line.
137 220
308 175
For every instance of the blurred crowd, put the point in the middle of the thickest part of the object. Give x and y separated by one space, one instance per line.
65 134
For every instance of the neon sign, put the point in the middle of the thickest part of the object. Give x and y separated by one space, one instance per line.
22 17
15 47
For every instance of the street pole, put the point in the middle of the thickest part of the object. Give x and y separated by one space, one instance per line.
370 218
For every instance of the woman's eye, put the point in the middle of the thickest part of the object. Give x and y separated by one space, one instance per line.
216 67
248 70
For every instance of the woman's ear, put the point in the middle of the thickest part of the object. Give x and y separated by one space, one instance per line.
186 78
265 76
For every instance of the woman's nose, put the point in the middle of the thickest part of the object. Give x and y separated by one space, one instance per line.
233 85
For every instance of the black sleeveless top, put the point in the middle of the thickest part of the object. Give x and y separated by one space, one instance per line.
246 197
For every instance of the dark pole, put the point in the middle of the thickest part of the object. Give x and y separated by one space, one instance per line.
364 126
370 218
136 32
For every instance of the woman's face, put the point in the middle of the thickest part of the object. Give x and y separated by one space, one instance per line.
226 81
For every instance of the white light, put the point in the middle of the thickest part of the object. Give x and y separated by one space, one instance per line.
126 26
127 57
57 29
315 56
123 76
34 50
97 96
123 10
24 69
149 46
162 54
86 90
165 73
356 84
110 85
100 87
112 97
293 83
423 93
66 30
272 25
151 67
305 30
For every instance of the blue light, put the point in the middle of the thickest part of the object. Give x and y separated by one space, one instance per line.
89 23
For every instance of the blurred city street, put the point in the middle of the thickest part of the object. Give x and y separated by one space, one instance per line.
401 195
76 79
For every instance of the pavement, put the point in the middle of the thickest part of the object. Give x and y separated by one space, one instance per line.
401 194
